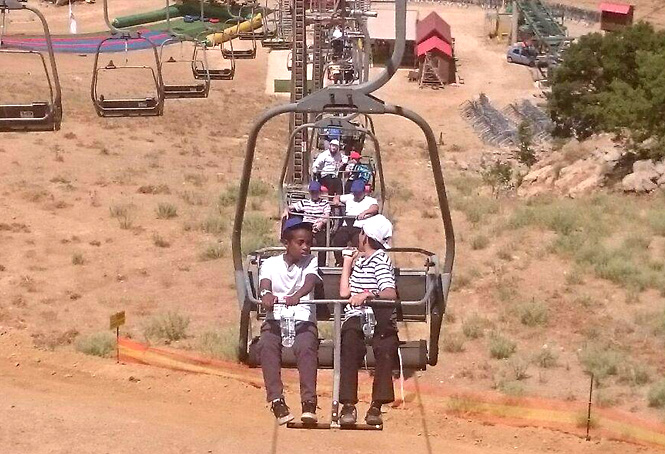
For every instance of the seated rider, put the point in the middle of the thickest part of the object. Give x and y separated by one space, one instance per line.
328 164
316 211
356 170
286 283
358 207
368 274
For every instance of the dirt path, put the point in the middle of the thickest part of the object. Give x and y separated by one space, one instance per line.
66 402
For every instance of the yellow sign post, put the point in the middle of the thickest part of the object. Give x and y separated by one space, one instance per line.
115 322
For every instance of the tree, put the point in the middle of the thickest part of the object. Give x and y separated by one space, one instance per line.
613 83
525 153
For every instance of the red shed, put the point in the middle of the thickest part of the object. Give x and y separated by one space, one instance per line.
436 62
615 16
433 25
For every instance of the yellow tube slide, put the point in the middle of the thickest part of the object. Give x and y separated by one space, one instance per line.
232 32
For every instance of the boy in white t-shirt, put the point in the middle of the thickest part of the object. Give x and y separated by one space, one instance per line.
286 283
358 207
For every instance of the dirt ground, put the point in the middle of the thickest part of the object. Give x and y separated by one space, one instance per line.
57 193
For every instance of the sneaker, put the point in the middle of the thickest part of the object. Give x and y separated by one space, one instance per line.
373 416
348 415
281 411
309 413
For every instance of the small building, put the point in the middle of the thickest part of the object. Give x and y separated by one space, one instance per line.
616 16
382 35
436 62
433 25
435 51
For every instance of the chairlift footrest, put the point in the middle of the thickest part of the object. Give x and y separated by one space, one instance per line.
327 426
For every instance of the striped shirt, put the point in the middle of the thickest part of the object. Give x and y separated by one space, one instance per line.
370 274
313 210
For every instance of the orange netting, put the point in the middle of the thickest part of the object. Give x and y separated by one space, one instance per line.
491 408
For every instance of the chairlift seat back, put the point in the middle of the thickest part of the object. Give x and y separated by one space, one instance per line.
36 116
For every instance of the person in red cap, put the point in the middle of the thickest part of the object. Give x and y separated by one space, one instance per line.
356 170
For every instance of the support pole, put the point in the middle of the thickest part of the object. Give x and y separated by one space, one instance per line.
514 23
337 357
588 416
117 344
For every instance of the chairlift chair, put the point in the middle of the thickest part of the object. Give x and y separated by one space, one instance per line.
149 106
201 71
239 54
422 291
128 106
42 115
194 89
253 34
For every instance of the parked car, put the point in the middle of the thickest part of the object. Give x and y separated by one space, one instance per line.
522 55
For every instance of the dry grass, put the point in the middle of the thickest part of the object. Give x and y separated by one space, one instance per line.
500 347
124 214
169 327
78 259
97 344
220 343
166 211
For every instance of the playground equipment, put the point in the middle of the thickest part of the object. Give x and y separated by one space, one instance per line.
38 115
127 106
204 49
422 290
192 90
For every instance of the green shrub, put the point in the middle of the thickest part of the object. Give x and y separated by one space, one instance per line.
166 211
479 242
511 388
213 251
501 347
228 197
477 209
633 374
474 326
214 224
259 188
546 358
519 367
170 327
533 313
453 343
77 258
159 241
257 224
97 344
656 395
600 361
657 221
220 343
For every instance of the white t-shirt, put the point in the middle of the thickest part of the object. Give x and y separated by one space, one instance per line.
354 208
287 280
328 164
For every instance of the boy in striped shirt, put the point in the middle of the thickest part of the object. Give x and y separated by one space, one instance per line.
315 211
368 274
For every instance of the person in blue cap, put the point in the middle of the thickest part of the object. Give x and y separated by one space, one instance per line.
358 207
315 210
286 284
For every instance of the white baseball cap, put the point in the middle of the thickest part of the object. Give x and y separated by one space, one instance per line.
334 142
379 228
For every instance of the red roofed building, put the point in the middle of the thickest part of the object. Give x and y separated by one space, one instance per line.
616 16
436 61
433 25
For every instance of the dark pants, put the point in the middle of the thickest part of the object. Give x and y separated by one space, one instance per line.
306 348
320 241
384 344
344 236
334 184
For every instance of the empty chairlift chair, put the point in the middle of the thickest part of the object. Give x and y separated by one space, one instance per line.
129 106
41 115
194 89
229 52
208 62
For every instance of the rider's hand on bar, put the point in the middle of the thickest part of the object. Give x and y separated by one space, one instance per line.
268 300
359 299
292 300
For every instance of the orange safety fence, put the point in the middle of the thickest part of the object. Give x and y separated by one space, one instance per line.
493 408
